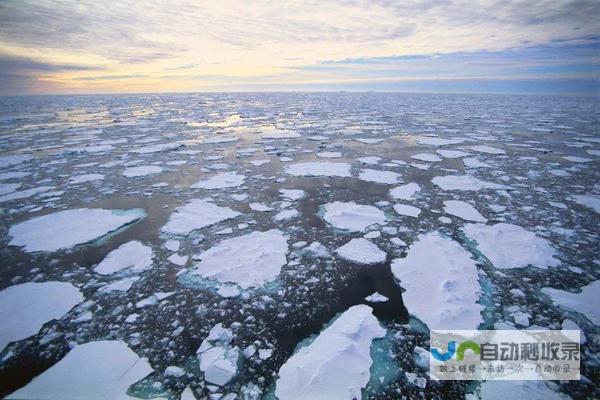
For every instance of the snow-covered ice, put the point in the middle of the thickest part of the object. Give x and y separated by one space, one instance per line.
65 229
405 192
407 210
101 370
134 256
319 169
336 364
512 246
142 170
463 210
218 359
249 260
441 283
26 307
196 214
220 181
361 251
352 217
584 302
377 176
465 182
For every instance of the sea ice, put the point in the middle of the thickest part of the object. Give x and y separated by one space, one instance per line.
286 214
85 178
376 298
511 246
352 217
361 251
588 200
196 214
405 192
451 153
26 307
426 157
101 370
465 182
249 260
463 210
585 302
133 256
441 282
218 359
436 141
142 170
408 210
319 169
336 365
377 176
65 229
220 181
488 149
530 390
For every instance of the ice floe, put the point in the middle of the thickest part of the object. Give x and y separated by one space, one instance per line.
487 149
65 229
436 141
441 283
220 181
426 157
463 210
376 298
218 359
405 192
249 260
336 364
319 169
26 307
588 200
407 210
361 251
352 217
512 246
142 170
101 370
196 214
585 302
465 182
377 176
133 256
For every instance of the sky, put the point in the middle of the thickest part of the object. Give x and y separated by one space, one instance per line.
496 46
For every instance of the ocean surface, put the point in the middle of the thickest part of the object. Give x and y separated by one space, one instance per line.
511 181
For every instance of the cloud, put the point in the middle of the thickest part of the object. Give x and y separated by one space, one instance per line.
230 39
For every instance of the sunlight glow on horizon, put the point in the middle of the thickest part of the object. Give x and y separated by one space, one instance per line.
98 47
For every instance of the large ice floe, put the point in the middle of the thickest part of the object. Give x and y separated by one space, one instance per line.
511 246
133 256
96 370
352 217
249 260
319 169
26 307
361 251
441 283
196 214
465 182
217 357
65 229
220 181
142 170
585 302
336 364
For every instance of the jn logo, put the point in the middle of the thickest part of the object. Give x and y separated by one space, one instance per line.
460 353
